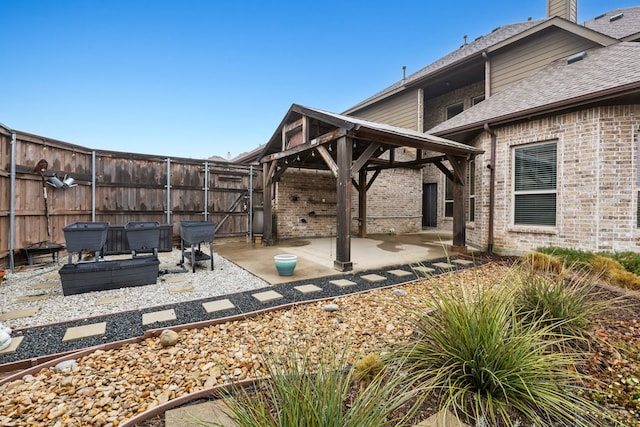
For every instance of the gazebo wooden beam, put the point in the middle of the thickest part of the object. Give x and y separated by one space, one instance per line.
328 160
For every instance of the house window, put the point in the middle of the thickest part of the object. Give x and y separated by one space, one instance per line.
535 177
448 198
454 110
471 184
477 100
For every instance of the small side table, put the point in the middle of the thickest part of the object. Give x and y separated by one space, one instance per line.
43 248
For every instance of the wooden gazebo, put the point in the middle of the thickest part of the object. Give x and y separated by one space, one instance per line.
352 149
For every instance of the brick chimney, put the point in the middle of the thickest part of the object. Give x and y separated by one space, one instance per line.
567 9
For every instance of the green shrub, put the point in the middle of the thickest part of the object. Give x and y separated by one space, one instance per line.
572 257
625 279
482 360
629 260
301 393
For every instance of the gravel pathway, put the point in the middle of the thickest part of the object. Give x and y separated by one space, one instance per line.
227 278
106 388
124 318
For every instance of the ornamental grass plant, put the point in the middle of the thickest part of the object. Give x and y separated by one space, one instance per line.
325 394
474 352
564 303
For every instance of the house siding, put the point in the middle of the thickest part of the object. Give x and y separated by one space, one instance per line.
400 110
596 185
525 58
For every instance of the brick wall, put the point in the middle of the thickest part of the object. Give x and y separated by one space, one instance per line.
305 204
435 108
596 186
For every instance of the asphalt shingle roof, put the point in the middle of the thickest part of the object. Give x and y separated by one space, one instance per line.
601 71
475 47
625 22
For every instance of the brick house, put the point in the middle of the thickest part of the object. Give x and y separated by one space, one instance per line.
555 108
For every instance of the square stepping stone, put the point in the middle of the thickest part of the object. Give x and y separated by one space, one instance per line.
18 314
174 279
181 289
31 298
424 270
267 296
307 289
373 278
51 276
109 300
342 283
44 285
443 265
400 273
219 305
462 262
158 316
13 347
84 331
214 413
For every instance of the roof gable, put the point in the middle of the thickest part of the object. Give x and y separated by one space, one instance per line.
330 126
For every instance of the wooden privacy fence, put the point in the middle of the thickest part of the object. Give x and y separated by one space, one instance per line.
81 185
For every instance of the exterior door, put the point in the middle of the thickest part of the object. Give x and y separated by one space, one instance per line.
430 205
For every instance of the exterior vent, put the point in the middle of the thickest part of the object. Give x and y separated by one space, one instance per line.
600 16
616 17
577 57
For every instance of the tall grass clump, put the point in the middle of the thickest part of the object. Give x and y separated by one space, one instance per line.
475 353
301 393
564 303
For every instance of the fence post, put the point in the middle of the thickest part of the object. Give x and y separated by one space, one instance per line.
250 203
168 187
93 186
206 191
12 203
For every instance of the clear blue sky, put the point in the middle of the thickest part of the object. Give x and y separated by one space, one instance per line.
196 78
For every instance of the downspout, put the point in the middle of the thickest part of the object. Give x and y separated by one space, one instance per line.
492 186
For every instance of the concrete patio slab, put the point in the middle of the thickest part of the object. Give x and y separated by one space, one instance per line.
316 256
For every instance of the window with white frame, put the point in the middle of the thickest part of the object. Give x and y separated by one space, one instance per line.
535 178
471 185
448 198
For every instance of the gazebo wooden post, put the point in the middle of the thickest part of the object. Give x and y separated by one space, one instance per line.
343 215
267 231
362 202
459 164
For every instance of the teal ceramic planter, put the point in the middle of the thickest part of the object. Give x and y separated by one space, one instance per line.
285 264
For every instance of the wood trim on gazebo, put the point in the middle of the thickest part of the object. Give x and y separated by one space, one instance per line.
350 147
